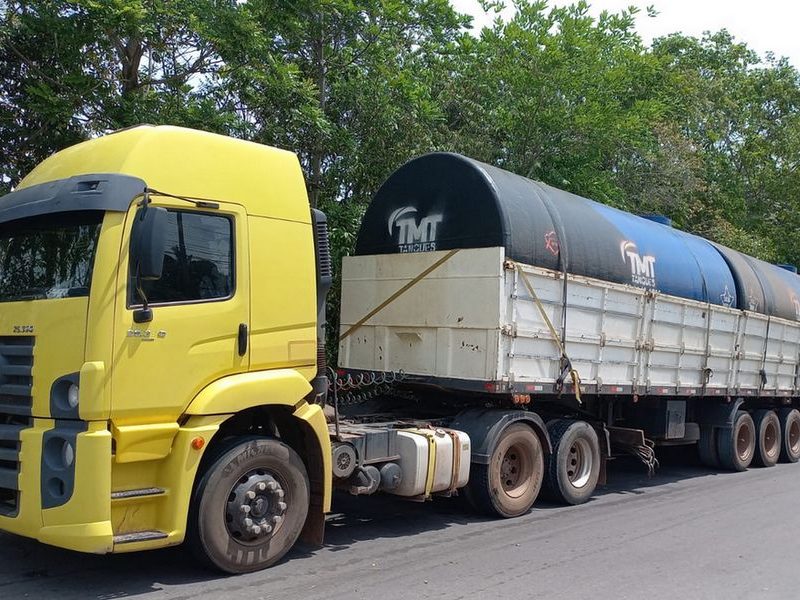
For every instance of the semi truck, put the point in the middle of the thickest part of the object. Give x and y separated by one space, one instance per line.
162 347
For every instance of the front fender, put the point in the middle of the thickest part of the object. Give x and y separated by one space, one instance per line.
236 393
279 387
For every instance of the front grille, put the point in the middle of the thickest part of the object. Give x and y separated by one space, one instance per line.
16 374
16 403
10 428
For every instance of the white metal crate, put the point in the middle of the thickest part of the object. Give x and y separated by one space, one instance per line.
472 320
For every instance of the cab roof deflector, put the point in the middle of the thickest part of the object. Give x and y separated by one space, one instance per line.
95 191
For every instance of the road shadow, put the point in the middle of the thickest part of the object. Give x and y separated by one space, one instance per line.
39 571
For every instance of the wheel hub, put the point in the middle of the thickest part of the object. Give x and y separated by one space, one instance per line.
771 440
743 443
516 470
794 437
255 507
579 463
509 469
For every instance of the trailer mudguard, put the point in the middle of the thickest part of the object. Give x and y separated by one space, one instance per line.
485 425
716 414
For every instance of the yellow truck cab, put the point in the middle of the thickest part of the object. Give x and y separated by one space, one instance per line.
133 356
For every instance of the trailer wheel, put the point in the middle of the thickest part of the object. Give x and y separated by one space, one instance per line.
573 468
707 447
249 506
790 430
736 445
768 438
509 484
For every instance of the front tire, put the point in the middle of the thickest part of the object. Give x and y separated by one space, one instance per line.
249 506
509 484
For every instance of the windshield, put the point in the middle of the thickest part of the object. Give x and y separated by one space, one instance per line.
48 256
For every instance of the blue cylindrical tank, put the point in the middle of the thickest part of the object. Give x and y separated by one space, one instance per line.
442 201
661 219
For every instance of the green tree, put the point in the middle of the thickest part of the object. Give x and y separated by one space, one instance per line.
557 95
350 86
70 70
742 113
347 85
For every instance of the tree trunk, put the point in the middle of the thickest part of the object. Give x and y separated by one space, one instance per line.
130 55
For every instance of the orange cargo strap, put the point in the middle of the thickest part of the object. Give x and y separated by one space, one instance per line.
576 380
398 293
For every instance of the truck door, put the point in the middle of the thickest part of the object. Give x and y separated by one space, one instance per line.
200 314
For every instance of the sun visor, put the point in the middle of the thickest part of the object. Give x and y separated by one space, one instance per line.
106 191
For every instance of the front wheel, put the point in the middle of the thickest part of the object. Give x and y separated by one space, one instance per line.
249 506
509 484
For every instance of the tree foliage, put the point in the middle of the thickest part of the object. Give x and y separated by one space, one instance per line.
701 129
71 70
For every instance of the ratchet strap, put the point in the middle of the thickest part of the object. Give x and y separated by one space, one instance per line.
398 293
431 463
566 363
456 459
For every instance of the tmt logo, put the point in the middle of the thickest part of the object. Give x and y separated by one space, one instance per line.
643 268
414 235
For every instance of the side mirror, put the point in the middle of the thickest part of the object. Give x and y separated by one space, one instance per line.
148 242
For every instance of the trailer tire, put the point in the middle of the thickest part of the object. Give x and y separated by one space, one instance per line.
707 447
768 438
573 468
249 506
509 484
736 445
790 435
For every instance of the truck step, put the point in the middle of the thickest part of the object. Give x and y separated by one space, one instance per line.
139 536
138 493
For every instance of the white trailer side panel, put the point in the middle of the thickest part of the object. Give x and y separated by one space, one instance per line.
446 326
472 319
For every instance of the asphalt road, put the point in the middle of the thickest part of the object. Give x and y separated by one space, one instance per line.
687 533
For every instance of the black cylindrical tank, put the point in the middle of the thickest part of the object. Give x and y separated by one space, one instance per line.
442 201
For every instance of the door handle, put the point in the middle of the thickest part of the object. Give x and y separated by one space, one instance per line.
242 339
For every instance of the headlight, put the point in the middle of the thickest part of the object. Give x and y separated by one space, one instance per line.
73 396
67 454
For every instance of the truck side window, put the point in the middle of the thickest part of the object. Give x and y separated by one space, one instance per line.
198 261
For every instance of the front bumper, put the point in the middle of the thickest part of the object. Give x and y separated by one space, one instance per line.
81 518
